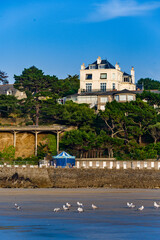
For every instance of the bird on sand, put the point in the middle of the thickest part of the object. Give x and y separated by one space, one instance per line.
65 208
80 209
141 208
94 206
56 209
129 204
68 204
79 204
156 205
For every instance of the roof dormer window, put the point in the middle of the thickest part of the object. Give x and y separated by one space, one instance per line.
102 66
92 66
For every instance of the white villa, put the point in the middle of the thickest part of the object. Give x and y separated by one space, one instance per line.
103 76
101 82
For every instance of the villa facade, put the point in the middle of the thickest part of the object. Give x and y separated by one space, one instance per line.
101 82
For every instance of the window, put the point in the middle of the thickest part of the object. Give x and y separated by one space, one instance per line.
113 86
113 76
104 99
126 79
92 67
117 98
103 87
89 76
103 76
123 98
102 66
130 97
88 87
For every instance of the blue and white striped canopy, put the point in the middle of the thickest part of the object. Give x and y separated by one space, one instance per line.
64 155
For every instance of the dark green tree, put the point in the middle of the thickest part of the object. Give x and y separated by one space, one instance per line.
3 77
149 84
8 105
38 87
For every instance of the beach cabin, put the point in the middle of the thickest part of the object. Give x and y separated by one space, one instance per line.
64 160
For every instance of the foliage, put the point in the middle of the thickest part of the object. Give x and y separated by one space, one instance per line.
3 77
52 144
38 87
70 113
149 84
151 98
8 105
8 154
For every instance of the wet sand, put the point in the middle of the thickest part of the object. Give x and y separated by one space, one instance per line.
112 219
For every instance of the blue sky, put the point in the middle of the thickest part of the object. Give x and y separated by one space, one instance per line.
57 36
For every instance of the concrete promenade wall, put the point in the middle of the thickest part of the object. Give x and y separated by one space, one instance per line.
29 177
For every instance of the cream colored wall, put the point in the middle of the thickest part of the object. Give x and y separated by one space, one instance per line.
119 85
92 100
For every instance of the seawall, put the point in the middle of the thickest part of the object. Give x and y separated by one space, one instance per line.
78 178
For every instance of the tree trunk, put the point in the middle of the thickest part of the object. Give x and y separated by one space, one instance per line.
37 115
140 139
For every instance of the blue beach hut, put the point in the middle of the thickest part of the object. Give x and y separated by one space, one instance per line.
64 159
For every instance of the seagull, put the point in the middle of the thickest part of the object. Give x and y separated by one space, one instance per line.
56 209
133 206
18 207
80 204
68 204
156 205
80 209
94 206
129 204
141 208
65 208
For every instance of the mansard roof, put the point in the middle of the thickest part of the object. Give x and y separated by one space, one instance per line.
107 64
126 74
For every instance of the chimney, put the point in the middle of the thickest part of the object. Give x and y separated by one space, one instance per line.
83 66
99 60
133 75
117 66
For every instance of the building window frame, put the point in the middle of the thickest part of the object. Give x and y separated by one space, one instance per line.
88 87
89 76
103 87
103 75
113 86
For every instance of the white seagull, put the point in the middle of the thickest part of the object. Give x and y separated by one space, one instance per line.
56 209
156 205
141 208
129 204
65 208
16 205
94 206
80 209
68 204
80 204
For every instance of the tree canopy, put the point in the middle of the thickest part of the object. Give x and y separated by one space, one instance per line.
3 77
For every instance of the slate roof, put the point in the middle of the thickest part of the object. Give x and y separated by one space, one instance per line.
126 74
6 87
107 64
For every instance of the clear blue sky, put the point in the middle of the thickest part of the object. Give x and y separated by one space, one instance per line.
57 36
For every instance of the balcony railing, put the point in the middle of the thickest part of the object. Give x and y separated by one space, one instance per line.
97 90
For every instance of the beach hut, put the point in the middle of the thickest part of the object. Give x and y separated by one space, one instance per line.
64 159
